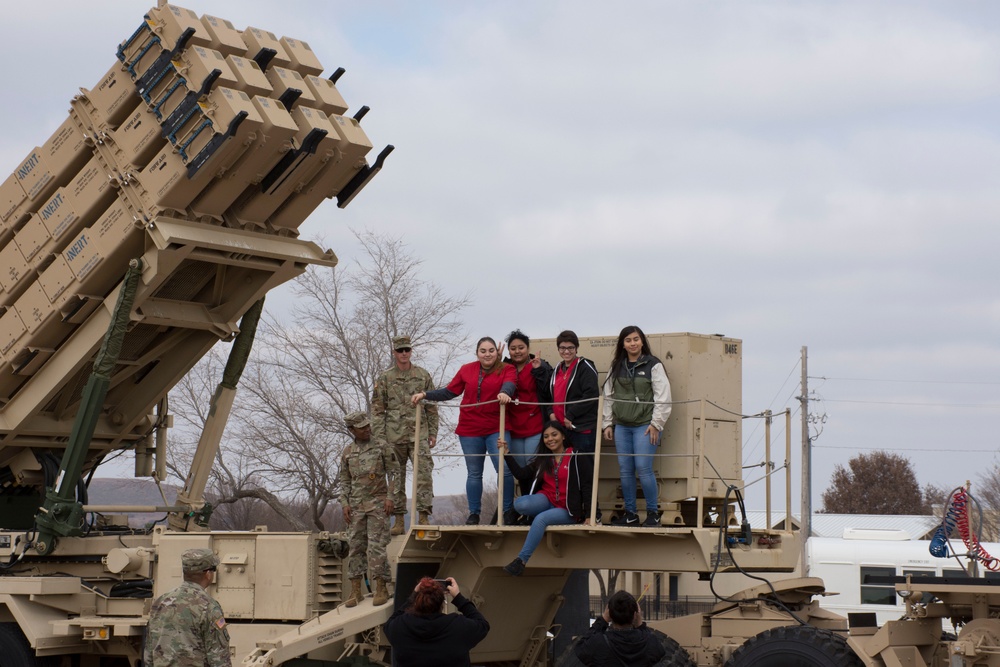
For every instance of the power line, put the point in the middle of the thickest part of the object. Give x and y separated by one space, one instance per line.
910 449
922 405
823 377
753 433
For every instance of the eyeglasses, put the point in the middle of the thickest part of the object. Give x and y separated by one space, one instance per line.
404 349
211 569
567 348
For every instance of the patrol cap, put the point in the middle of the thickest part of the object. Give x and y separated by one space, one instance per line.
198 560
357 419
399 342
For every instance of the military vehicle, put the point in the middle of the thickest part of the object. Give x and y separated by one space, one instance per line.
147 229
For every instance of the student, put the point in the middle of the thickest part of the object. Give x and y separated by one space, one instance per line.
637 403
422 635
560 493
620 637
484 385
526 416
574 390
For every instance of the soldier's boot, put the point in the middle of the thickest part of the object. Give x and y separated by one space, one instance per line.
397 525
381 593
356 594
425 519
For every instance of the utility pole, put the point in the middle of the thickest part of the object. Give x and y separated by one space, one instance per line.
805 520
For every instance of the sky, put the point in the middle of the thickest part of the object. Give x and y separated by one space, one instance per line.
790 174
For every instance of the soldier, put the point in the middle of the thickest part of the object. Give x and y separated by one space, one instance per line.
186 627
364 497
394 419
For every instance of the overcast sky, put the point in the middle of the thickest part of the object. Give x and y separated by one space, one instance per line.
785 173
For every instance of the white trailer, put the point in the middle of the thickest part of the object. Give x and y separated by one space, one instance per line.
846 565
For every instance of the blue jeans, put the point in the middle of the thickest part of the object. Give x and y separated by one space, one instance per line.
524 449
633 440
475 448
544 514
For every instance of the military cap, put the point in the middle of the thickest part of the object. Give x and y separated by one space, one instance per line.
198 560
357 419
399 342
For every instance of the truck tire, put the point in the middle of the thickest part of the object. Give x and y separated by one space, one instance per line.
795 646
676 655
15 651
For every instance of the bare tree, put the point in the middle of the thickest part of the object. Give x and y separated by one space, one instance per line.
346 318
876 483
286 434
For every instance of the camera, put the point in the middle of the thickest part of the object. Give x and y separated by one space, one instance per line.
443 583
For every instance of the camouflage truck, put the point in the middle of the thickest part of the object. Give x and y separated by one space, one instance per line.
147 229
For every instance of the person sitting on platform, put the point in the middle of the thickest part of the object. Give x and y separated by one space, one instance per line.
560 491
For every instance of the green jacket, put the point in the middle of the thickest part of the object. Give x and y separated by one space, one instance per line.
638 395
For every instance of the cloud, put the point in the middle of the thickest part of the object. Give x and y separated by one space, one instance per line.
787 173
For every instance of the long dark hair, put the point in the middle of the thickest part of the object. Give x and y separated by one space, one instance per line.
621 355
428 598
543 457
498 364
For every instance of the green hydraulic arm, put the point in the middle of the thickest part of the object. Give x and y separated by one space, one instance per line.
61 515
192 496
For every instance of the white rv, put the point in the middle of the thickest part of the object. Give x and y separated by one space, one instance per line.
847 564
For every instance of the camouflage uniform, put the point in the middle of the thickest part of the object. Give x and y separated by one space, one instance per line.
364 467
186 626
394 419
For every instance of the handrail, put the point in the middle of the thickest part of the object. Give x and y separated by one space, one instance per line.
701 456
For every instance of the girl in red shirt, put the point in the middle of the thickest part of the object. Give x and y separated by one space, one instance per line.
560 493
484 385
526 415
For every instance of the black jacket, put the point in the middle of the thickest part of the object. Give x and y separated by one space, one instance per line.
438 639
604 647
582 385
579 488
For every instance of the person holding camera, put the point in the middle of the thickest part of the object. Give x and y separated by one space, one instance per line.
422 635
620 637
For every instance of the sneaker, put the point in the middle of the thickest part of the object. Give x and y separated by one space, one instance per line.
473 520
515 568
652 520
510 518
523 520
626 519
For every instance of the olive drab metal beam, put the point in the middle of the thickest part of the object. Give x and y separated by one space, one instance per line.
61 515
192 496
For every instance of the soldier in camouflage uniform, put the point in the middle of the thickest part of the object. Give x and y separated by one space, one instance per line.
186 627
394 420
365 466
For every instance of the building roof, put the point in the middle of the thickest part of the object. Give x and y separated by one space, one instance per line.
917 526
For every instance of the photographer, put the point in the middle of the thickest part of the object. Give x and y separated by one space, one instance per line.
620 637
422 635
